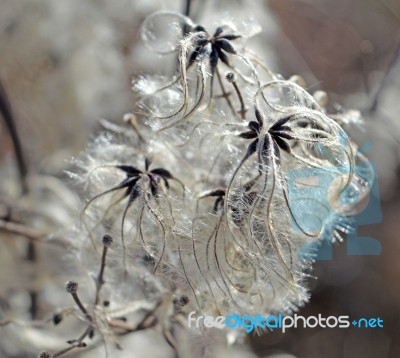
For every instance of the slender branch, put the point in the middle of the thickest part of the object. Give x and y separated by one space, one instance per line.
170 340
72 288
107 241
75 343
186 10
31 256
230 77
132 120
382 85
225 94
147 322
5 110
22 230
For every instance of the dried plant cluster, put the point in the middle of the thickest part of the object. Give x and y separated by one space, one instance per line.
196 196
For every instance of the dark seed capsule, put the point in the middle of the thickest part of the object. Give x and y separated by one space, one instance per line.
107 240
71 286
57 318
45 355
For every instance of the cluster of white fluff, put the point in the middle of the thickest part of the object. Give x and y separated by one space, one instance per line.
220 225
217 191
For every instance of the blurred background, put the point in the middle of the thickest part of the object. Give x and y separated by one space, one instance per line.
65 65
350 48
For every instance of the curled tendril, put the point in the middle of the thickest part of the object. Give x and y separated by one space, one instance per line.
178 24
200 55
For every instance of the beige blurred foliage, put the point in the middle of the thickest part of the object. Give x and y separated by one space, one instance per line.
64 65
345 46
350 49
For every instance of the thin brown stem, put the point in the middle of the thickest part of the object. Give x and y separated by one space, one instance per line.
132 120
72 288
186 10
76 343
231 79
225 94
65 350
22 230
100 279
5 110
383 84
81 306
107 241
